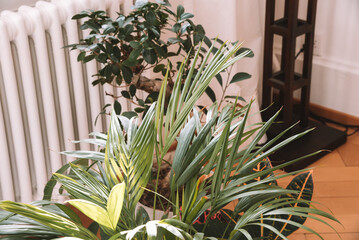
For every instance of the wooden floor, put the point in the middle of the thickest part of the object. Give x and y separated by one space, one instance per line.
336 186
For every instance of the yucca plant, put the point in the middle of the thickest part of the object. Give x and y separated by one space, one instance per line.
214 164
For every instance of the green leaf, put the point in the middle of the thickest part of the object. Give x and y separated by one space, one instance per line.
235 97
139 110
240 76
102 58
117 107
142 216
158 68
132 90
219 79
151 18
129 114
149 55
115 202
88 58
173 40
128 29
176 27
180 10
248 53
81 56
53 221
127 73
135 54
135 44
185 16
210 93
126 94
93 211
79 16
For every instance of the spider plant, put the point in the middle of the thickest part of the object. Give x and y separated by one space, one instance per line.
217 161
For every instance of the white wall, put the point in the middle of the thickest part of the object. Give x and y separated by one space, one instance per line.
335 74
335 79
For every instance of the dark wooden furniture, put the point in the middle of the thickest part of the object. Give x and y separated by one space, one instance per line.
286 80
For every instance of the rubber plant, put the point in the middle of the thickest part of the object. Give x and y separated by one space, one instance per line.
217 161
140 43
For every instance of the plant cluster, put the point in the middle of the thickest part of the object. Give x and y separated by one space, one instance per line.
143 42
211 168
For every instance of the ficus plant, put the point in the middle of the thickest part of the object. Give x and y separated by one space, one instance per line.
148 39
217 161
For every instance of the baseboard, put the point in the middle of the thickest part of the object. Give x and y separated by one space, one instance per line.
334 114
330 113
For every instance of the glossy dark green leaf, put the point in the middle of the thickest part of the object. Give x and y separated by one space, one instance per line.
81 56
139 110
88 58
126 94
242 50
303 183
102 58
185 16
119 80
207 41
108 72
150 56
92 25
200 29
141 102
173 40
135 54
127 74
128 29
129 114
180 10
79 16
117 52
176 27
116 70
234 97
240 76
219 225
151 18
135 44
117 107
142 216
109 29
219 79
159 68
132 90
151 97
210 93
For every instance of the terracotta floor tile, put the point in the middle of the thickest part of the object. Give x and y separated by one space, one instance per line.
349 152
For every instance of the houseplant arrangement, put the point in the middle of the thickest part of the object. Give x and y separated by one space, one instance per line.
212 167
132 46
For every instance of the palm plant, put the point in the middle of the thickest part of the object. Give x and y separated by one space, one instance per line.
214 165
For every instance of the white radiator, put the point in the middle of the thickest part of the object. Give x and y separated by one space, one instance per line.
46 96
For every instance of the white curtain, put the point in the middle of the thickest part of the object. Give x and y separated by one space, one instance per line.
235 20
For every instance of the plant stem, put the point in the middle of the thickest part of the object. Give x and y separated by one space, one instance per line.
226 86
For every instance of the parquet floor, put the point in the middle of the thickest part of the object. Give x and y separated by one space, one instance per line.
336 186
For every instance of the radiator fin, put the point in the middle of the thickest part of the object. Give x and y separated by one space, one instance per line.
46 96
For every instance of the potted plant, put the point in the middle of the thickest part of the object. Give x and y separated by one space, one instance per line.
211 167
140 43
